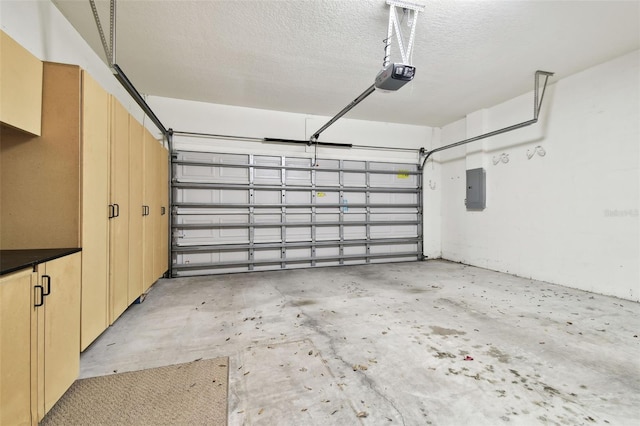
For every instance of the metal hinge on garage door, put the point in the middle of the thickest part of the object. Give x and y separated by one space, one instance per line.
239 212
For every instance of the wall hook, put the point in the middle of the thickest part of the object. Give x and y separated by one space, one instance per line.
538 149
504 158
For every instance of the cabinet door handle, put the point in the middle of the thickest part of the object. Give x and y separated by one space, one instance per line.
36 304
46 279
117 210
112 211
148 210
163 210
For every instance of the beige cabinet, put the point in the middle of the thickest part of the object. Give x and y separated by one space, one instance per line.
18 348
20 87
88 177
119 211
150 176
149 210
139 176
161 244
95 199
58 328
39 338
137 210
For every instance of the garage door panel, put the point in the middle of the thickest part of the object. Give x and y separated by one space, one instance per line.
355 232
233 174
193 237
328 233
393 218
393 198
298 177
300 254
206 174
298 234
267 235
266 197
215 196
241 212
294 176
328 178
327 251
298 197
327 197
204 259
200 230
262 255
353 216
266 177
393 231
356 197
265 218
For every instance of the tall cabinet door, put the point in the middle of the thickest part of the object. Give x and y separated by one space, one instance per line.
150 180
119 209
137 210
161 245
95 199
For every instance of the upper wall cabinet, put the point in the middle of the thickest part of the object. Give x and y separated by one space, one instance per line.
20 87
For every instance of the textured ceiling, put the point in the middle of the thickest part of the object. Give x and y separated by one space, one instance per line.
315 56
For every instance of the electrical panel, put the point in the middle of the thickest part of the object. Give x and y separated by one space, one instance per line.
476 189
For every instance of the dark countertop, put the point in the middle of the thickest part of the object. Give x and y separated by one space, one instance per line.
14 260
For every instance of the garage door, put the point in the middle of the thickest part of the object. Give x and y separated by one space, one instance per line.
239 212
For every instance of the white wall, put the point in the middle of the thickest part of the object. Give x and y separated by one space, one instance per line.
192 116
41 29
570 217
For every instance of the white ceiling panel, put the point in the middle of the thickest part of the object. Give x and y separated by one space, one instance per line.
316 56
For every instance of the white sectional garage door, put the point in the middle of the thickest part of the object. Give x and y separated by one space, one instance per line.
238 212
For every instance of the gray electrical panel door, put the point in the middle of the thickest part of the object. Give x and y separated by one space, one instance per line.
476 189
240 212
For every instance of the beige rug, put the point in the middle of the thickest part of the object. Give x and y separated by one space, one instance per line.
194 393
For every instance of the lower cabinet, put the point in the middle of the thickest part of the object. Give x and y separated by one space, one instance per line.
18 348
58 328
39 338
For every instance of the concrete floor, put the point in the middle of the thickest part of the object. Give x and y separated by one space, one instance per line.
386 344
